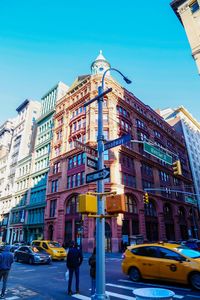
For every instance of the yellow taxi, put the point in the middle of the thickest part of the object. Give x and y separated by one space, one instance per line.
162 261
51 247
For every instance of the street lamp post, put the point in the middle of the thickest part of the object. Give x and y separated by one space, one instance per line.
100 222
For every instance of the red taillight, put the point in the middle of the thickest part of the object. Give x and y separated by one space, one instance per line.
123 255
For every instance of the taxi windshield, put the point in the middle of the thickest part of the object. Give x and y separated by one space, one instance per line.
188 252
54 245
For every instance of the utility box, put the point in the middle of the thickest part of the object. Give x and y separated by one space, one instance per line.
115 204
87 204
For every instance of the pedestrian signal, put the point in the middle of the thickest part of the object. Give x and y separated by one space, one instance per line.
146 198
87 204
115 204
177 168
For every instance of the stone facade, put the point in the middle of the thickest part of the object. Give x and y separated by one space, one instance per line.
188 11
6 134
184 123
34 225
167 216
19 167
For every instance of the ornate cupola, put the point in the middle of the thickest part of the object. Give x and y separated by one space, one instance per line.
100 65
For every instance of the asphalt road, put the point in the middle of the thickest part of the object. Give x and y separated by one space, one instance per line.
42 282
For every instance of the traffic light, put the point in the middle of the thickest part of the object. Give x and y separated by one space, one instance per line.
146 198
177 168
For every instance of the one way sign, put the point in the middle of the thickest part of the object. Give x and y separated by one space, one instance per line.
98 175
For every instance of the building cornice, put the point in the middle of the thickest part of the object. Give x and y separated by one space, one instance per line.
189 116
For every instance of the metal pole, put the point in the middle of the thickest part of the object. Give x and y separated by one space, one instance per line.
194 223
100 222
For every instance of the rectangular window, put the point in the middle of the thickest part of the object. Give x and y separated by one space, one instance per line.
56 168
52 208
78 179
70 163
54 186
79 124
194 6
79 159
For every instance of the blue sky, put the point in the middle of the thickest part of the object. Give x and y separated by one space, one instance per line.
43 42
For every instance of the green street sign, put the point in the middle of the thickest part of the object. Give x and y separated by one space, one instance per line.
191 200
158 153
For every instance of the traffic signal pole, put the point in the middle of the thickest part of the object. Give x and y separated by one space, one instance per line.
100 218
100 222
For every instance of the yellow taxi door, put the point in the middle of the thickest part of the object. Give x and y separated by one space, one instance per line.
146 258
172 266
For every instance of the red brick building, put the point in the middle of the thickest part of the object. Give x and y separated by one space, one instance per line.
167 216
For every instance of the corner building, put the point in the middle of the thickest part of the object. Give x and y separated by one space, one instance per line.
167 216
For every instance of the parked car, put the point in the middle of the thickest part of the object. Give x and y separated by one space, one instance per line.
193 244
163 261
15 246
53 248
32 255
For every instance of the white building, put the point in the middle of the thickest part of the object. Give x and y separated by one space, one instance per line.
188 12
185 123
6 133
21 147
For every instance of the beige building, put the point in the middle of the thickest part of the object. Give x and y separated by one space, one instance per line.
188 12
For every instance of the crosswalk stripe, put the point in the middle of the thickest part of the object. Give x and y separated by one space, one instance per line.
132 289
12 298
120 286
120 296
81 297
155 285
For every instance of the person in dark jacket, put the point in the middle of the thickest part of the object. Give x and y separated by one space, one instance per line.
74 260
6 260
92 263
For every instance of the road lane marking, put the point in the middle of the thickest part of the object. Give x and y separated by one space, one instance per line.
32 270
155 285
193 296
120 296
12 298
81 297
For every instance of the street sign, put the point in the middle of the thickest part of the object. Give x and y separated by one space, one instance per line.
158 153
114 143
85 148
98 175
92 163
191 200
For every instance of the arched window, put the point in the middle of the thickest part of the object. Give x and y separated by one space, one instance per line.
181 211
167 210
131 205
150 209
72 205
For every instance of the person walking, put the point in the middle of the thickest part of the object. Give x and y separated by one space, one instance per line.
74 260
92 263
6 260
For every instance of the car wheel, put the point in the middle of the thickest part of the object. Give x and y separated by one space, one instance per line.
134 274
195 280
31 261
